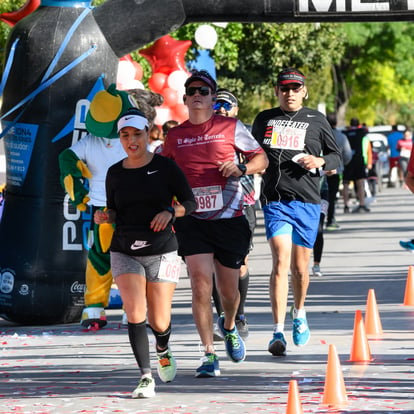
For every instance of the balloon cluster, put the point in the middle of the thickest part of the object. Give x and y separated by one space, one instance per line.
169 73
129 74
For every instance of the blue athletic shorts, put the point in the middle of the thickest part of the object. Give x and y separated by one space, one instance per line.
300 220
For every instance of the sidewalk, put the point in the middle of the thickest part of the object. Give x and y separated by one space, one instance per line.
65 369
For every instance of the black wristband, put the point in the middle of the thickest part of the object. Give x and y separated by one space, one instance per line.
242 168
171 209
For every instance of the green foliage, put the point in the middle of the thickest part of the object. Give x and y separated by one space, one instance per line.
361 69
375 75
7 6
249 56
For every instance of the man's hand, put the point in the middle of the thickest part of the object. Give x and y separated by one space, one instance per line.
229 168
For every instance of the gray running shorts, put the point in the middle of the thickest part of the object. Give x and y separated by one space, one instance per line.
157 268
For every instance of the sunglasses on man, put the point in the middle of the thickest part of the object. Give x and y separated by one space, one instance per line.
295 89
222 104
202 90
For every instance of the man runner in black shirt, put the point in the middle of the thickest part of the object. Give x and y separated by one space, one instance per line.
298 142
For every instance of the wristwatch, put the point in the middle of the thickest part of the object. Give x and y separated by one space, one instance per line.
171 209
242 168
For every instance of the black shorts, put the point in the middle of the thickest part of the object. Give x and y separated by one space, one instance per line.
228 239
355 170
250 213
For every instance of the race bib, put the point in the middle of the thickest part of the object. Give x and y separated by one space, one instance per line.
288 138
170 267
208 198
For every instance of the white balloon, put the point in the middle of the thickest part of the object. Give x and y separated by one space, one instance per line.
126 71
163 115
176 79
206 36
129 84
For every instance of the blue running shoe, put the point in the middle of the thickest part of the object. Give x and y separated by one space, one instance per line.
277 346
301 332
209 366
408 245
235 348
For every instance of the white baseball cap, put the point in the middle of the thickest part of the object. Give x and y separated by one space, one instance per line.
133 118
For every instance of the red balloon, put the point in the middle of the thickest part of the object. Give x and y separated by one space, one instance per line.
12 18
138 70
157 82
166 54
170 96
180 112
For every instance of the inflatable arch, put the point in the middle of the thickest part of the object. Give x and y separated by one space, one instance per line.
58 57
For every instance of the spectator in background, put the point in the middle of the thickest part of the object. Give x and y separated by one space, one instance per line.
356 169
319 242
393 139
333 181
166 126
227 105
405 146
155 138
409 181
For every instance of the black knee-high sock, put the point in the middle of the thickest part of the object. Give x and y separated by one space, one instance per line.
162 338
243 287
216 298
138 339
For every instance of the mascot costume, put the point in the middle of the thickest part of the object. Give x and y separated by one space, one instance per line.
83 169
57 58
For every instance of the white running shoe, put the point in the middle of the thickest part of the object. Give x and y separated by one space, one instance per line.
316 270
145 388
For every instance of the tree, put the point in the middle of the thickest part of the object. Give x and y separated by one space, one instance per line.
374 79
7 6
357 69
249 56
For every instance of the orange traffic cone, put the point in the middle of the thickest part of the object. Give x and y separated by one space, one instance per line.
373 326
360 351
294 405
334 393
409 288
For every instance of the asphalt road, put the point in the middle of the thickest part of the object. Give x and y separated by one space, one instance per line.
67 369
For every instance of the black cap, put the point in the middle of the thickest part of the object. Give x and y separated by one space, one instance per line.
204 76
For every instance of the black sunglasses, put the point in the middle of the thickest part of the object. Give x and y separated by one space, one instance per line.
295 89
202 90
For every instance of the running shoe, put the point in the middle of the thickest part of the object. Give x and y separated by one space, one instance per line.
235 347
316 270
408 245
217 335
301 332
242 327
360 209
93 316
145 388
209 366
333 226
277 345
167 366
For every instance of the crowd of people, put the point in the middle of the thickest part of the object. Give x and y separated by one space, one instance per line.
185 192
